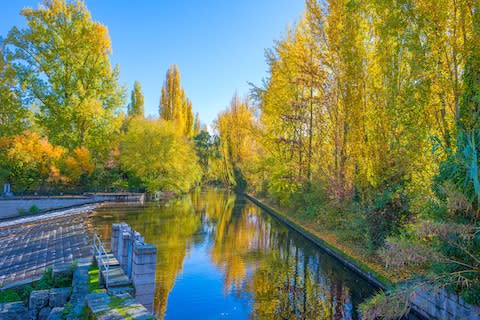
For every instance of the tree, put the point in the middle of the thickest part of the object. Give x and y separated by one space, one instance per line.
197 126
238 147
77 166
34 162
13 116
62 61
174 104
160 156
136 106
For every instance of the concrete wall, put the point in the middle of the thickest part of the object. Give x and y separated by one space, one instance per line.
144 268
10 207
442 304
138 261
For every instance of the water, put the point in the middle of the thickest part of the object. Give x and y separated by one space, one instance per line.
222 257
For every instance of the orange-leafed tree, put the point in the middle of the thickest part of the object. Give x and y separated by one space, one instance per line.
34 163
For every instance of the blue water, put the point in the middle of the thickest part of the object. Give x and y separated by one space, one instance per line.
222 257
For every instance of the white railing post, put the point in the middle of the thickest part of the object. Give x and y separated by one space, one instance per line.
100 254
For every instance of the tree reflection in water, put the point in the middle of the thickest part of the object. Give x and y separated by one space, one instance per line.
276 271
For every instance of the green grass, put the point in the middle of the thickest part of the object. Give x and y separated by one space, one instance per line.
47 281
93 278
9 295
116 302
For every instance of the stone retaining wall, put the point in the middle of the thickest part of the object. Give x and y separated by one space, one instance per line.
138 261
11 207
442 304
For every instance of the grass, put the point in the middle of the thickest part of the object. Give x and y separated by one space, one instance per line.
46 282
93 278
34 209
117 304
9 295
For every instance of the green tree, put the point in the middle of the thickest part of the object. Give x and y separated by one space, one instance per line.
136 106
13 116
197 126
62 61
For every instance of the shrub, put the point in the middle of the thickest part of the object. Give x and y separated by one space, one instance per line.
34 209
26 292
46 282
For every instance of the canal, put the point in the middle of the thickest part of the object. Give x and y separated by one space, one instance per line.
222 257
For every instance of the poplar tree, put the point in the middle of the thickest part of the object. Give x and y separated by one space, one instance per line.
136 106
196 125
174 104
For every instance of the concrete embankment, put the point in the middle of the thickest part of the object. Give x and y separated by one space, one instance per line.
347 261
15 206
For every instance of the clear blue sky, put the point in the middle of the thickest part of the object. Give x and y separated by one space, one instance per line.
218 44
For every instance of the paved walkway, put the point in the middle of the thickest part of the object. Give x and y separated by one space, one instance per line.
27 249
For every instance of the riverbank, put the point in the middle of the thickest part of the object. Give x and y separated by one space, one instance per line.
355 258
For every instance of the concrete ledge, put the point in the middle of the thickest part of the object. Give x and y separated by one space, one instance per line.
10 207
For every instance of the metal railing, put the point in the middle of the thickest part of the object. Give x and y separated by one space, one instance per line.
102 257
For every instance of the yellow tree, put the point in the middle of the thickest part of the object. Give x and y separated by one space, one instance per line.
238 147
174 104
159 155
35 162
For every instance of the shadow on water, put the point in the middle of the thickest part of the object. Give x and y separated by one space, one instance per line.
220 256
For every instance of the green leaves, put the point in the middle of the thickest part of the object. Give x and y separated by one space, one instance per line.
62 61
136 106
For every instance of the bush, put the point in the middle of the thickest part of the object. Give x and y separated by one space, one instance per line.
26 292
34 209
46 282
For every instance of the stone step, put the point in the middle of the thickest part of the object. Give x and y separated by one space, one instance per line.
123 306
116 291
108 259
116 277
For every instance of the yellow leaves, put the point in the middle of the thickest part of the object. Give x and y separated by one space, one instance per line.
100 38
30 147
238 142
159 155
90 110
34 155
174 104
36 161
79 163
